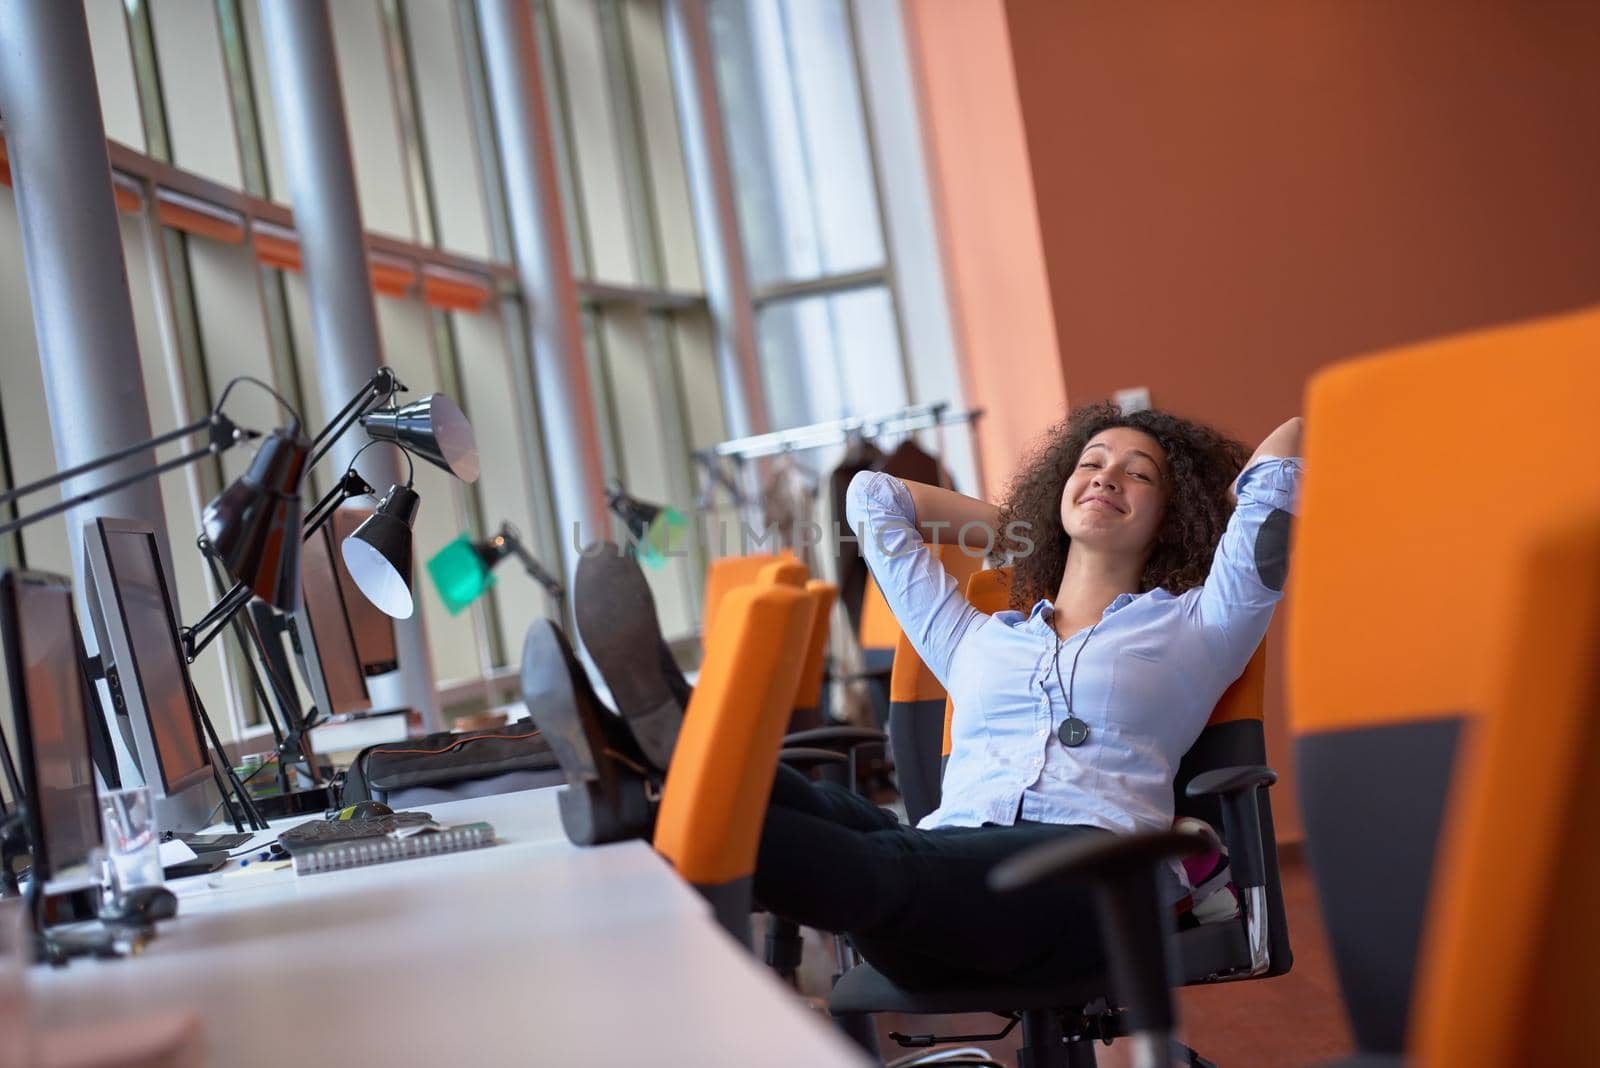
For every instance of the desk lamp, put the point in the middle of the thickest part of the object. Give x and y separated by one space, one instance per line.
378 552
654 530
463 570
248 517
433 428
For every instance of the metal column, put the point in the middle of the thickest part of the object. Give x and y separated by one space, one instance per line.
705 151
544 271
298 36
77 281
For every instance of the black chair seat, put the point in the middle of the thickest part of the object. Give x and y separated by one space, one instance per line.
863 989
1204 951
1212 949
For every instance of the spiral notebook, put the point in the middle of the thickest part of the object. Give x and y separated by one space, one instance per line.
309 858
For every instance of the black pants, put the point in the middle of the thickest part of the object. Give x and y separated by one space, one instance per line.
916 903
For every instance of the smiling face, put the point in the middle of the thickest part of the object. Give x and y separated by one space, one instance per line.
1116 496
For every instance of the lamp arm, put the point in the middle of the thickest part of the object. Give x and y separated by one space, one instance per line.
215 621
223 434
383 384
349 486
535 570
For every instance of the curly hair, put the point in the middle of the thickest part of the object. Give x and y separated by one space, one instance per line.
1202 464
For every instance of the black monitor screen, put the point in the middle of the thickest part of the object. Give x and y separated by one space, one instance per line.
50 697
158 668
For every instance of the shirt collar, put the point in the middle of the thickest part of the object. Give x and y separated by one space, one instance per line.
1044 609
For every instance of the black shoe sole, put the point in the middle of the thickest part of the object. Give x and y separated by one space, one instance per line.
551 691
616 618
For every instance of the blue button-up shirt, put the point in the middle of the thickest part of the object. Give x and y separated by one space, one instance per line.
1150 674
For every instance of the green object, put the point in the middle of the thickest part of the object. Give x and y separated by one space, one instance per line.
662 537
459 574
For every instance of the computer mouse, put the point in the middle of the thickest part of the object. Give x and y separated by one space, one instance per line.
364 810
141 906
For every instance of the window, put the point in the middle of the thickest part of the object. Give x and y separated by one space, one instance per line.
215 275
808 209
631 227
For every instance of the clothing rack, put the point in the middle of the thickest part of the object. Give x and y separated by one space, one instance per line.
838 431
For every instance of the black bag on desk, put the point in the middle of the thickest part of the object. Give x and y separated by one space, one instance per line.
449 766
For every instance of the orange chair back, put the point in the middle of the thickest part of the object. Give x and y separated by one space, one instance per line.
716 791
784 571
809 697
1411 493
1508 973
1416 503
727 574
879 629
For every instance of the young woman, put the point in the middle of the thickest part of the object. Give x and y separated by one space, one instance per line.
1141 587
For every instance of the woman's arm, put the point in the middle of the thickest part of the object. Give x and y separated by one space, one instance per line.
924 598
1252 560
942 513
1283 442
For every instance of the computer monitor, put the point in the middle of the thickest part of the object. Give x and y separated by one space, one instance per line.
135 624
326 639
374 631
54 707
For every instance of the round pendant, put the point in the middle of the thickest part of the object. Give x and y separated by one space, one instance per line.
1073 733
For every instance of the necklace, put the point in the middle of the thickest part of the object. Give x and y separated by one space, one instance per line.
1073 731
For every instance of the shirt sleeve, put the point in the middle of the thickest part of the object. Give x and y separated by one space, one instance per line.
1252 562
923 596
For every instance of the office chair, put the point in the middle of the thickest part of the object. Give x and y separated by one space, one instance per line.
727 574
808 700
716 791
1219 781
877 634
1420 495
1507 973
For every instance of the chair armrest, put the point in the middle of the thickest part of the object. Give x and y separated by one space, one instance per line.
1122 871
839 739
802 758
1236 789
1222 781
1095 858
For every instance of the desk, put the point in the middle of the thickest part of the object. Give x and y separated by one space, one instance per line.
530 952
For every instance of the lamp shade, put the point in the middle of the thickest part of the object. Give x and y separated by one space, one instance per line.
378 553
463 570
434 428
254 524
655 530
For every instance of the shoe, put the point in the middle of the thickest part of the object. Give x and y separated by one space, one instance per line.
610 793
616 618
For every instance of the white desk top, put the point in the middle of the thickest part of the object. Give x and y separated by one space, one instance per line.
529 952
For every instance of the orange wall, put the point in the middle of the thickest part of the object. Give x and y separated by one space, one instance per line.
1230 195
989 230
